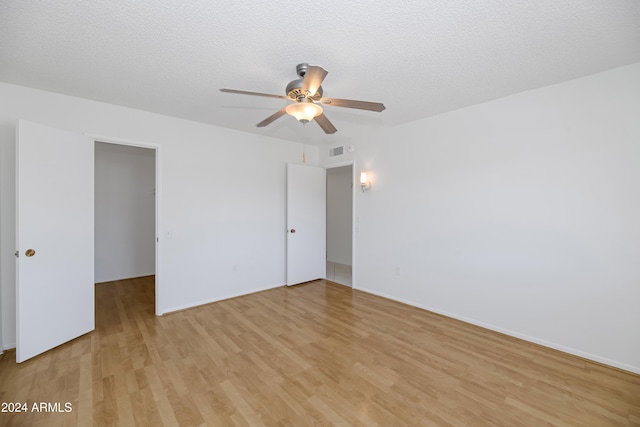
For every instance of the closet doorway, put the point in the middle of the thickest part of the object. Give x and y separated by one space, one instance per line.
340 181
125 212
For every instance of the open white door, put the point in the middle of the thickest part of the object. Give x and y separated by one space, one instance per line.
306 223
55 278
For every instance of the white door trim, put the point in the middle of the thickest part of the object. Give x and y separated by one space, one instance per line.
158 151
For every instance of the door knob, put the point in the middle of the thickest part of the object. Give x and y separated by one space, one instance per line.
293 230
30 252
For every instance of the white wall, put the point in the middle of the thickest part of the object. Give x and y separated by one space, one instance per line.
222 196
339 214
7 234
521 214
124 212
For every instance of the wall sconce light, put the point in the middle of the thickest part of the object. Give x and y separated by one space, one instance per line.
364 181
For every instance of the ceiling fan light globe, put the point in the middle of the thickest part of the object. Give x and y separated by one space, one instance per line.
304 111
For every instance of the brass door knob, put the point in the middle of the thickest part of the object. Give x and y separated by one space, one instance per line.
293 230
30 252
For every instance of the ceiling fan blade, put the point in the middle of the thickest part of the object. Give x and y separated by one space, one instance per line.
325 124
245 92
350 103
272 118
313 79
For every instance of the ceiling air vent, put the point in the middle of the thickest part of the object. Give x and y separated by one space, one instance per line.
336 151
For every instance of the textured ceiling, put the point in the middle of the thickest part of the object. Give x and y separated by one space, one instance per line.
419 58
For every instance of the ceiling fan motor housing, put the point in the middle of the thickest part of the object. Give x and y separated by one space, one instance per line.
293 90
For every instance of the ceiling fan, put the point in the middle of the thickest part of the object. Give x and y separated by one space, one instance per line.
306 93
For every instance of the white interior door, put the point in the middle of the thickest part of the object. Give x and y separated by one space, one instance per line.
306 223
55 289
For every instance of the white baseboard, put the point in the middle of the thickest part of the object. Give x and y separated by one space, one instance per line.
103 280
545 343
209 301
9 346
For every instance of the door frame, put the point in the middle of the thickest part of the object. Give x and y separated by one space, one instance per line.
351 163
158 211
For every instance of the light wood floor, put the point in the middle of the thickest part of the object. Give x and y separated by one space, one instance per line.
314 354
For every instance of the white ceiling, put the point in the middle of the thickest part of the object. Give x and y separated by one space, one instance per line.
419 58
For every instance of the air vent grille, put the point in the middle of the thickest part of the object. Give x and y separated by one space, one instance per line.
336 151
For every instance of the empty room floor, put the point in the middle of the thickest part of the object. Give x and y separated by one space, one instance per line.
314 354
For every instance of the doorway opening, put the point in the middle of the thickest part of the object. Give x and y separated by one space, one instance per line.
339 258
125 213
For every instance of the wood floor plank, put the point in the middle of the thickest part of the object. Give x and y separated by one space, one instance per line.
314 354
